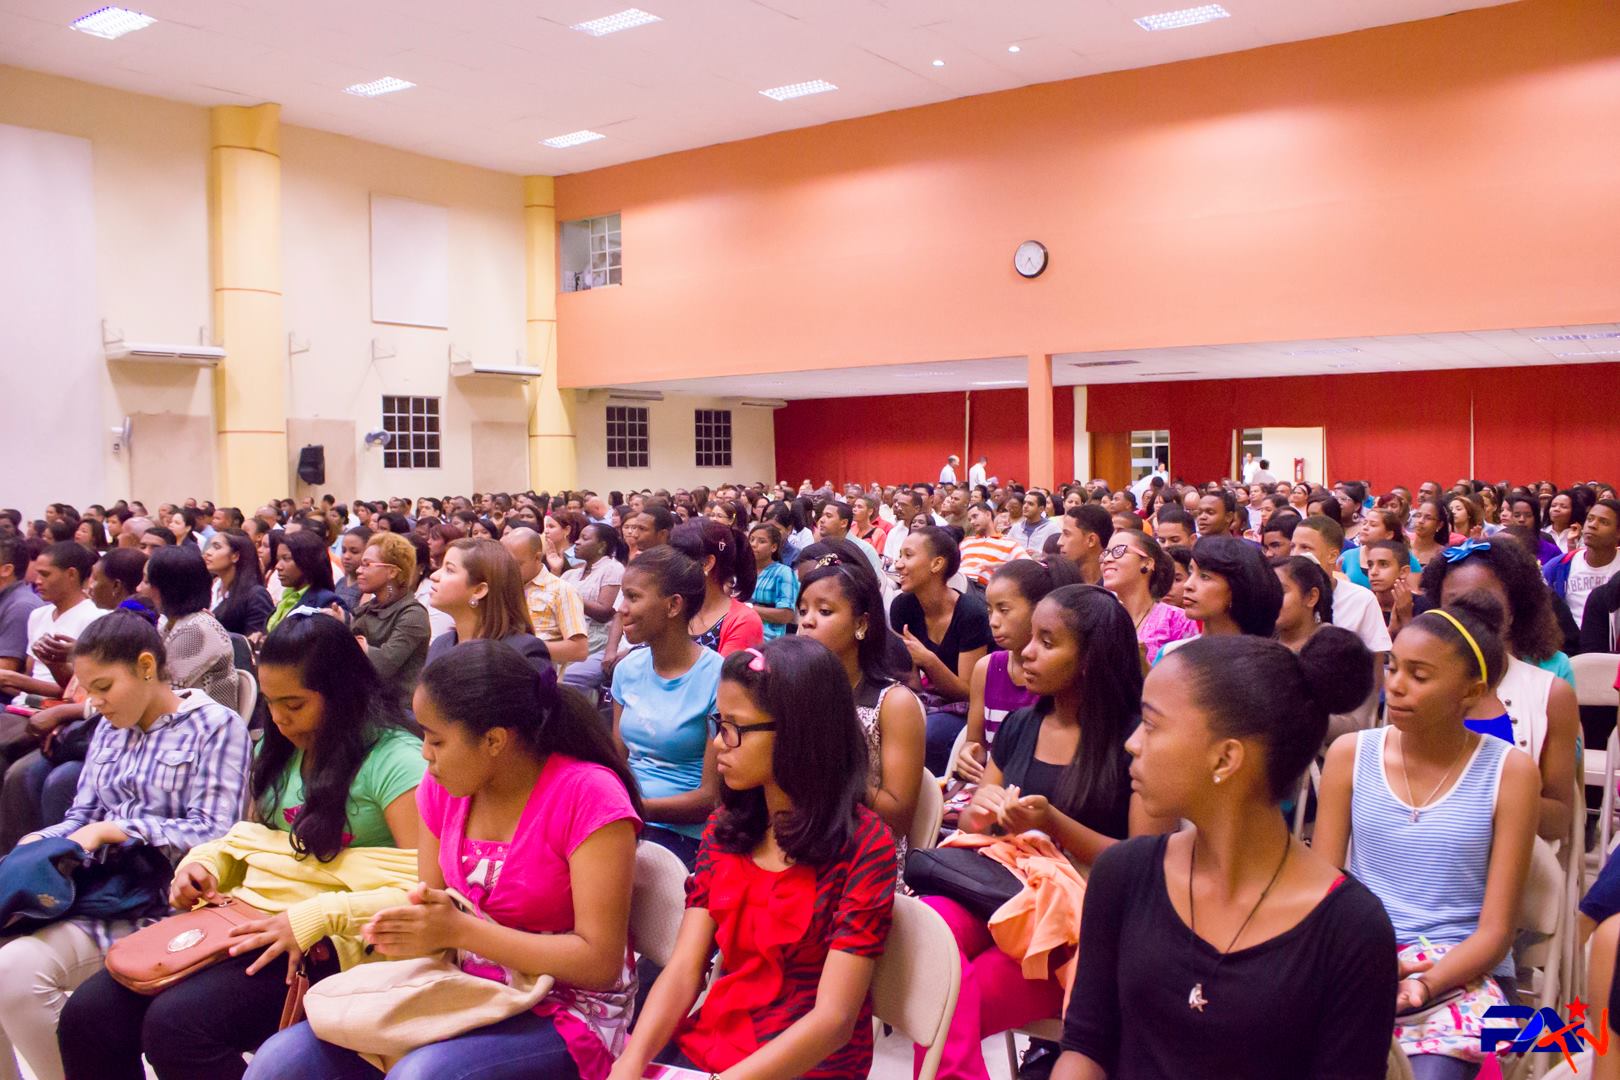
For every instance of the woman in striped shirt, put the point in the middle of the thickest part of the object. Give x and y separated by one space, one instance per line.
166 769
1438 822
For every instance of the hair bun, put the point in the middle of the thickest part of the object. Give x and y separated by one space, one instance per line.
1338 669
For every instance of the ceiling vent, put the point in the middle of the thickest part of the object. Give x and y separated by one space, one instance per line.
1101 363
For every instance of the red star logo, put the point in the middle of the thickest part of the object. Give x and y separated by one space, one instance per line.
1577 1009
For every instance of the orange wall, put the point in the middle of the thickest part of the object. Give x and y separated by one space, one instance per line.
1452 174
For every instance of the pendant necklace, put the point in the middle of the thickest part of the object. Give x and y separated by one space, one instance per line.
1411 797
1195 998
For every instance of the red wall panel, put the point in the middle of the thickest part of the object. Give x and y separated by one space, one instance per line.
906 438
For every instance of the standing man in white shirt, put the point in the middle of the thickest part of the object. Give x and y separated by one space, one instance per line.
977 473
947 475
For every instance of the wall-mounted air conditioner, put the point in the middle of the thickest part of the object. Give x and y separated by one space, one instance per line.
463 366
198 355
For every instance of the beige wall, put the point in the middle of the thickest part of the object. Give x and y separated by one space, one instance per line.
150 168
671 444
150 160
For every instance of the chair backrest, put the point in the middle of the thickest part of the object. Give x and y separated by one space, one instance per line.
247 694
917 979
1399 1067
658 902
241 653
1595 677
930 814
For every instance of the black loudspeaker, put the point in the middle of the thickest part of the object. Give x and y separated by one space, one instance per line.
312 464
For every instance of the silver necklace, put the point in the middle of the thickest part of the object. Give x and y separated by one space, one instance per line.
1417 807
1195 998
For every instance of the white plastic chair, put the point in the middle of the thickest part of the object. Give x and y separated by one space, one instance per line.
247 694
930 815
1594 686
657 902
1547 909
917 980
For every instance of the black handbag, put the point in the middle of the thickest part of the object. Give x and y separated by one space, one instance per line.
965 875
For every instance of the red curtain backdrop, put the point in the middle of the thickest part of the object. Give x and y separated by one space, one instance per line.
905 438
1530 423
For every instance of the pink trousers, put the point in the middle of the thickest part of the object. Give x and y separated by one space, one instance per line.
995 995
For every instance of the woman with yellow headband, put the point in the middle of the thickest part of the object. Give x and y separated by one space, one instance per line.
1438 822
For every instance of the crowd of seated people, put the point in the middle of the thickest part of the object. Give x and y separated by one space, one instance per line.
386 729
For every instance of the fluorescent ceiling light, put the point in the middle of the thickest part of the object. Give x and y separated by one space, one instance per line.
1583 355
1000 382
573 138
1014 48
1175 20
1325 350
1608 335
111 22
628 19
798 90
939 63
377 87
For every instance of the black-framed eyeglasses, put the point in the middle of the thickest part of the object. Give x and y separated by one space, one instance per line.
1119 551
731 733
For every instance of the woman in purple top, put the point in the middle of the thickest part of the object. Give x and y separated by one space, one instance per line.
997 688
1140 572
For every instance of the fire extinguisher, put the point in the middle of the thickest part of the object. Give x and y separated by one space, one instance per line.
1299 470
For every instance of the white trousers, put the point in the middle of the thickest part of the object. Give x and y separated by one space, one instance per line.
36 974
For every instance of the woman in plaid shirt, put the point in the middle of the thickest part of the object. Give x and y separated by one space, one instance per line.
166 768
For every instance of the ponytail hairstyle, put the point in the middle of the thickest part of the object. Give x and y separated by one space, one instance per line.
1307 574
820 759
485 684
1482 615
120 637
1162 575
356 712
1034 578
775 534
859 587
941 544
616 547
675 574
1257 689
1110 674
702 538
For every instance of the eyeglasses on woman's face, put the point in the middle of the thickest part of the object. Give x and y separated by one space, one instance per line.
1119 551
731 732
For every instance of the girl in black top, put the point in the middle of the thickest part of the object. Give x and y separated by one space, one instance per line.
1230 949
244 603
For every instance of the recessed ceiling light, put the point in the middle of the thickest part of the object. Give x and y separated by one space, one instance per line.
1175 20
612 24
573 138
385 85
1014 48
1583 355
1325 350
798 90
939 63
111 22
1607 335
999 382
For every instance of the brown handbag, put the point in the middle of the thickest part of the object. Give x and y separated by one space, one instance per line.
155 958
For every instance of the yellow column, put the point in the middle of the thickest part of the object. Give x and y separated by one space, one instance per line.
1041 470
244 213
552 461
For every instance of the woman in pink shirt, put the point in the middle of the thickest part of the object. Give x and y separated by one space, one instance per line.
1140 573
530 812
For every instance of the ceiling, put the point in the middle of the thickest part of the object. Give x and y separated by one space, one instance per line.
496 76
1598 343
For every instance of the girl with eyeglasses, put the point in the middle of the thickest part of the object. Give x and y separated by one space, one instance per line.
794 884
1140 573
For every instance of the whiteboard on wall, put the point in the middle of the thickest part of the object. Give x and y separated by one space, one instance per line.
410 262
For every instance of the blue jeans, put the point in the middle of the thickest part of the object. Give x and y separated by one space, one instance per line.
523 1047
942 730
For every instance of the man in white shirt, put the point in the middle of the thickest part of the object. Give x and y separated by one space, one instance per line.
60 573
1140 488
1593 564
947 475
978 474
1250 467
1261 475
1355 608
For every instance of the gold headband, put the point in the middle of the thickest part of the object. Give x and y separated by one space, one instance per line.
1472 644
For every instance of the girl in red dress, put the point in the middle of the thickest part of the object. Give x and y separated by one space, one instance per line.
794 882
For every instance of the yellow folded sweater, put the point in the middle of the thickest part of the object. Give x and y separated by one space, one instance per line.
332 899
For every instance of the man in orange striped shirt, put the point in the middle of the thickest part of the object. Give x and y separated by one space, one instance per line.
983 549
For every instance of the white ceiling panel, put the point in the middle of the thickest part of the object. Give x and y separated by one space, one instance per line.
690 80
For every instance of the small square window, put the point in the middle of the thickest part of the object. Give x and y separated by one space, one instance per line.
712 438
414 424
627 443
